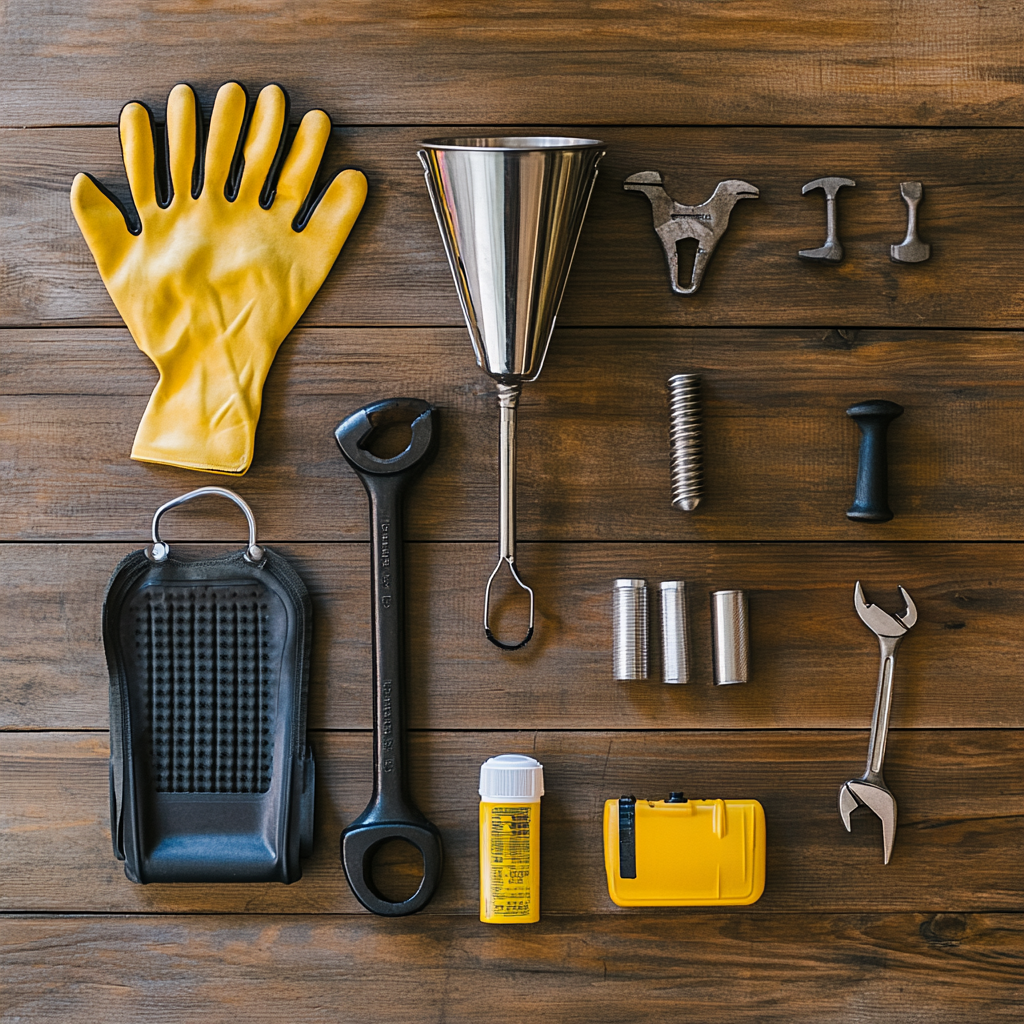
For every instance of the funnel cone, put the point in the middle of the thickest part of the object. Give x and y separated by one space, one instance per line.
510 212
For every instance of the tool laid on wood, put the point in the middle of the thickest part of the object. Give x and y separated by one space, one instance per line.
228 246
832 250
684 853
211 778
674 222
686 436
391 813
510 212
870 789
911 249
675 641
629 629
730 637
871 497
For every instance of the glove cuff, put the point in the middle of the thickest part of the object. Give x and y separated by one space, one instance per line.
182 430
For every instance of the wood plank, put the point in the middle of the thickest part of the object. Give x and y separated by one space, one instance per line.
392 270
780 454
960 793
407 61
813 664
714 967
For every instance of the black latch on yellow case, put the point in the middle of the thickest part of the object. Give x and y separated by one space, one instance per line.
684 853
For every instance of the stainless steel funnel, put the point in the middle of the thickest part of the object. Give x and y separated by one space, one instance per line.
510 212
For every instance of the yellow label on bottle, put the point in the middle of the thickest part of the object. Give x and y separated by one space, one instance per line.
510 863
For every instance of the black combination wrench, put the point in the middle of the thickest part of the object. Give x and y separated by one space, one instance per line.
390 814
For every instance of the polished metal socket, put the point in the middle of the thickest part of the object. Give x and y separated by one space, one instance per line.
730 636
629 629
675 647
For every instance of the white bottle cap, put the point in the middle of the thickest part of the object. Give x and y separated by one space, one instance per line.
511 777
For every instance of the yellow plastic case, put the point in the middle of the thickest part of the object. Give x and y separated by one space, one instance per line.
684 853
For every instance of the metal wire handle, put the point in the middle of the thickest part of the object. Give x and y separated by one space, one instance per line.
487 606
159 550
508 400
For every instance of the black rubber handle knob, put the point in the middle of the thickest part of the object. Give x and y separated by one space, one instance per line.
871 499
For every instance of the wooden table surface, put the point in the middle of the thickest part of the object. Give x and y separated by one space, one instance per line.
881 91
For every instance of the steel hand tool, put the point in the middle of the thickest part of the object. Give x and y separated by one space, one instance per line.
911 249
832 250
870 789
390 814
706 223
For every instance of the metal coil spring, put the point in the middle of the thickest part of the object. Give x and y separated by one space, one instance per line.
686 435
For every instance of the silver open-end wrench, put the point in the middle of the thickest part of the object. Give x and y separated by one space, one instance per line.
870 789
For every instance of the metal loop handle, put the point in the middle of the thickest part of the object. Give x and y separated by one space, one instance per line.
487 607
159 550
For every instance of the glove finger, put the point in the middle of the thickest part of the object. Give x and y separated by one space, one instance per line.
264 142
225 128
334 215
299 171
181 138
101 220
137 151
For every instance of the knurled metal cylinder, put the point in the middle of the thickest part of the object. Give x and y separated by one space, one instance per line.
629 629
686 434
730 636
675 647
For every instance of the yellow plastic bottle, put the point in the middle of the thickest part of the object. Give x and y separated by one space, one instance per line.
511 786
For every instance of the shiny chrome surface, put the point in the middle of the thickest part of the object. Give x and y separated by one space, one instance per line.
159 550
731 635
675 641
870 789
629 630
510 212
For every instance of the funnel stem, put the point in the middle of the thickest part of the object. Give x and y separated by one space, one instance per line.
508 400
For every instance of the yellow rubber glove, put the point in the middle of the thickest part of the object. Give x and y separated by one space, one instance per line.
210 286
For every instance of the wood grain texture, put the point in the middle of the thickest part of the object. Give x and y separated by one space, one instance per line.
714 967
776 93
780 453
417 61
392 270
813 664
960 794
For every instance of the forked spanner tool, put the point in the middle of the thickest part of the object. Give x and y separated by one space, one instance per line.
870 789
390 814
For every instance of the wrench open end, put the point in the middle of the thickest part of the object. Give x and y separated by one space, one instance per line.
354 431
882 623
858 793
909 616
